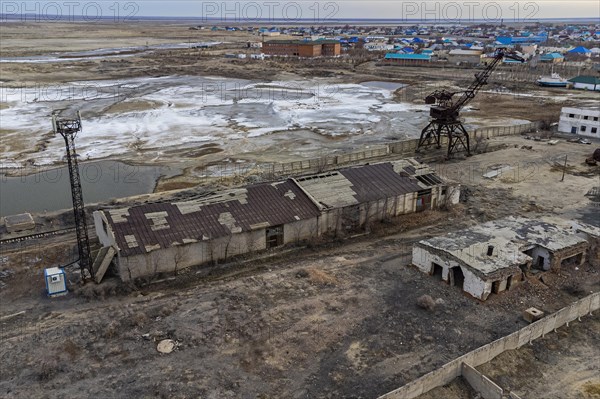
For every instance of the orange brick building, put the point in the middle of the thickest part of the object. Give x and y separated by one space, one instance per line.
301 48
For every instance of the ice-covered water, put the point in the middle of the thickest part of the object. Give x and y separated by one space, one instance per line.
152 114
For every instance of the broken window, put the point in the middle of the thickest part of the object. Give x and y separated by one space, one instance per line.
583 128
274 236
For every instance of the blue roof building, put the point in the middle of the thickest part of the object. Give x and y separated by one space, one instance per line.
408 57
551 57
506 40
579 50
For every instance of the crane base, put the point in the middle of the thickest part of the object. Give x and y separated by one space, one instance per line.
458 138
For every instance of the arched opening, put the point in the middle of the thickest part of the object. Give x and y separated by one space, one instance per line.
457 277
436 271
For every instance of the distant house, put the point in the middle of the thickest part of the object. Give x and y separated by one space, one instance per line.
465 56
377 46
302 48
552 58
586 83
407 59
507 40
582 121
580 51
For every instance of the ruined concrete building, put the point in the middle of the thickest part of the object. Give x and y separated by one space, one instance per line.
493 257
166 237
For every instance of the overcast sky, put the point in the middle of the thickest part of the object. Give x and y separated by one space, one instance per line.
318 10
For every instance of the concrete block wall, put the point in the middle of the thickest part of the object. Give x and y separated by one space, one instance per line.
482 384
484 354
406 147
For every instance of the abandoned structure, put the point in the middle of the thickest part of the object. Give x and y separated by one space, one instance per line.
492 257
303 48
166 237
21 222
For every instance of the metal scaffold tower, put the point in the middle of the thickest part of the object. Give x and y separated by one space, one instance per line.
68 129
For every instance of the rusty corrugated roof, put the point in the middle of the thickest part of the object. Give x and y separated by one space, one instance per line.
378 181
355 185
140 229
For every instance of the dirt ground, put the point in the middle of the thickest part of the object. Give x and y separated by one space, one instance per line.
567 362
336 320
333 320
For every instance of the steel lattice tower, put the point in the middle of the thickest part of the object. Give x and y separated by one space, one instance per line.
68 129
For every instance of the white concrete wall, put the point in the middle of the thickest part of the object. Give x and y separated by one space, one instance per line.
107 238
166 260
473 284
301 230
566 123
586 86
454 193
539 251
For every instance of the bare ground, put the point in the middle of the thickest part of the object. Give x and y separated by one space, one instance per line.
333 321
561 365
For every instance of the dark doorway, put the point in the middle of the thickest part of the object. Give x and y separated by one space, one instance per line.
509 283
274 236
496 287
540 262
351 218
423 200
457 277
436 270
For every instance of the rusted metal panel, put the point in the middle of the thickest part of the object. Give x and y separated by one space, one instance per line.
268 204
378 181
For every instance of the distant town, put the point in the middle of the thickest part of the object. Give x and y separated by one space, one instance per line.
456 45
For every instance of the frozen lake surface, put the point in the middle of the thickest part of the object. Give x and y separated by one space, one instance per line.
146 116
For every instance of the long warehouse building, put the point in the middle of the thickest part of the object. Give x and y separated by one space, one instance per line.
166 237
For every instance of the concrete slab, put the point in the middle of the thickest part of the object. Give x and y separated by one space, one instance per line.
20 222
